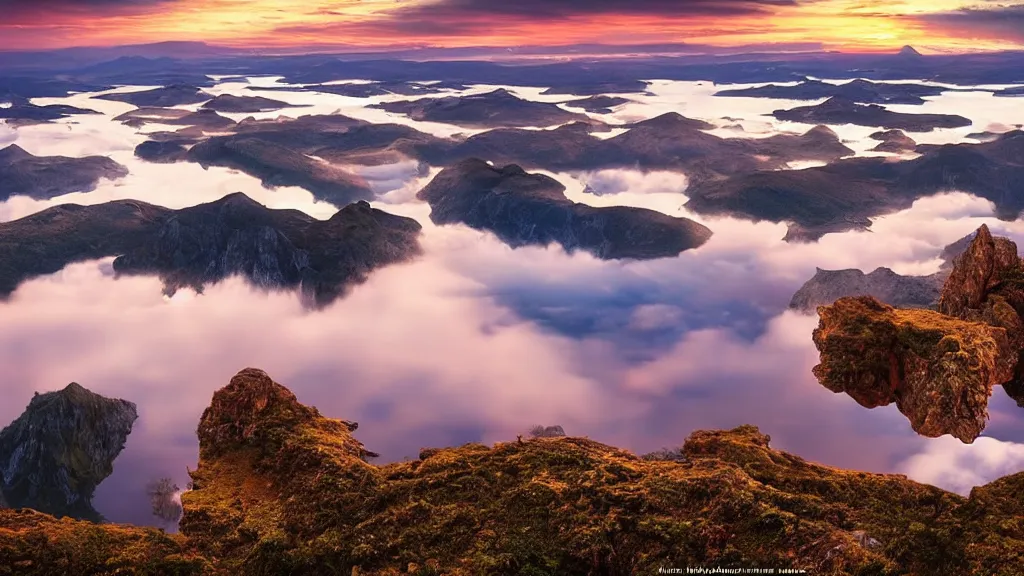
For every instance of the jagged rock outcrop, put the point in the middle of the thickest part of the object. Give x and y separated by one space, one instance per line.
45 177
201 245
282 489
531 209
938 367
987 285
54 455
986 265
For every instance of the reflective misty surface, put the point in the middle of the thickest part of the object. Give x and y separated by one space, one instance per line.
475 341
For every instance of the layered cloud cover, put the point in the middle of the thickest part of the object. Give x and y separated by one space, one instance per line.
476 341
757 24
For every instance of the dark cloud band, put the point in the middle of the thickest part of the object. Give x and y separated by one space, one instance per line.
1005 22
568 8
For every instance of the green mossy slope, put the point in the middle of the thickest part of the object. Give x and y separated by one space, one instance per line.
282 490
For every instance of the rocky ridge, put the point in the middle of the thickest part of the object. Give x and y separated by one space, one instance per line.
282 489
899 291
827 286
200 245
21 111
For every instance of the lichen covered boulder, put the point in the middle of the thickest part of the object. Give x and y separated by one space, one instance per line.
54 455
938 367
938 370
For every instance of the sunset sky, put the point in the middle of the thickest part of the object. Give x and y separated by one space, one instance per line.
848 25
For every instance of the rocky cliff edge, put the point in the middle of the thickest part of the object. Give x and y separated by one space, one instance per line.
282 489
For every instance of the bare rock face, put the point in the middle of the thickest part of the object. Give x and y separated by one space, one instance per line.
985 264
938 367
897 290
827 286
64 444
987 285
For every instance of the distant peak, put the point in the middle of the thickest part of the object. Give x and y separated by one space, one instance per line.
675 120
13 152
909 51
238 198
821 130
74 388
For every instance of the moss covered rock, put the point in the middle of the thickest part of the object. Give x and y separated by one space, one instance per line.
938 370
283 490
36 544
938 367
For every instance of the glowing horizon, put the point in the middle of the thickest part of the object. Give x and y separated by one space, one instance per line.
844 25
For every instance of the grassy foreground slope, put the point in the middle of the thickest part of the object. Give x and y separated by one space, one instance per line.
281 489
